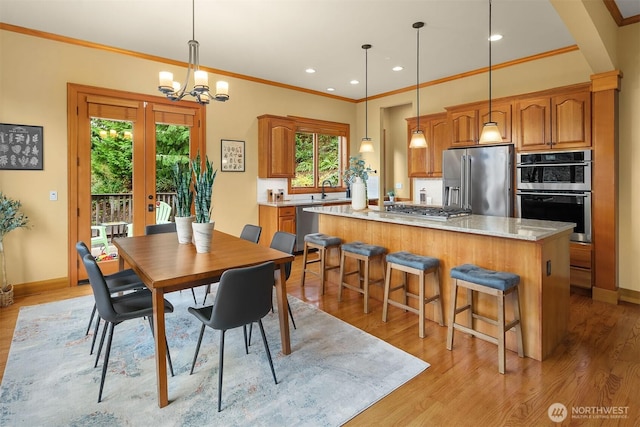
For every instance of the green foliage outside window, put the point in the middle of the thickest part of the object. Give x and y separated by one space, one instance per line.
312 171
112 154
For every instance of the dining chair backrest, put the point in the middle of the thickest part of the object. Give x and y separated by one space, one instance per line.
284 242
244 295
100 290
82 249
251 233
169 227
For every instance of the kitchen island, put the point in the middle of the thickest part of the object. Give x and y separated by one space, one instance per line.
536 250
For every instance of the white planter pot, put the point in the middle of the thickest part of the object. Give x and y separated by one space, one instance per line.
202 235
358 195
184 229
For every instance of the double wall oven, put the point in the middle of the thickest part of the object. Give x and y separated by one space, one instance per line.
556 186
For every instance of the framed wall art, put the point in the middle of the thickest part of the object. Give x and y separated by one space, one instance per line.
232 155
20 147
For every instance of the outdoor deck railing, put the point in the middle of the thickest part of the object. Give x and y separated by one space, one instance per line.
117 207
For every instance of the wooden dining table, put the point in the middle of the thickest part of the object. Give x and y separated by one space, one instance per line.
165 266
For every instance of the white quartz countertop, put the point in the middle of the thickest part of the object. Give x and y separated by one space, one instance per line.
511 228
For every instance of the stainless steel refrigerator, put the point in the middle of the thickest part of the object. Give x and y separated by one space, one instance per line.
479 178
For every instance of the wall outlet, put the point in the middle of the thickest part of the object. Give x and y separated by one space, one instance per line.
398 185
53 195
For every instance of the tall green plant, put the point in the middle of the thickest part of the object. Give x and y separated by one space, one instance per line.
182 179
10 218
203 187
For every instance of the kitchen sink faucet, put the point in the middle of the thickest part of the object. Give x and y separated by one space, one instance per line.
326 181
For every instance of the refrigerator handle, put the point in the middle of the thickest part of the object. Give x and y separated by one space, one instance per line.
462 193
468 184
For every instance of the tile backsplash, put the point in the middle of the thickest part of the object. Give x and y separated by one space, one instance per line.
265 184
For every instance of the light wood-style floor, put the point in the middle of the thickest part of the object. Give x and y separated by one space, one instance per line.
596 368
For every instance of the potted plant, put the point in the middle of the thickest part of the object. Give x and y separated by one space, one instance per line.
10 218
203 190
356 175
392 195
183 179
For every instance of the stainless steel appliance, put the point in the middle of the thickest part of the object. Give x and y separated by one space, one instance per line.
306 223
556 186
563 170
479 178
437 213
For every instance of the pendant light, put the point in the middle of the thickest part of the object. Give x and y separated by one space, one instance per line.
417 137
490 132
366 146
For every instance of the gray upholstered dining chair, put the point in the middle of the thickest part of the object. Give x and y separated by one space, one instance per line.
284 242
121 281
115 310
244 296
250 233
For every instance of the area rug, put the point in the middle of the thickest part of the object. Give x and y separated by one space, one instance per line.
334 372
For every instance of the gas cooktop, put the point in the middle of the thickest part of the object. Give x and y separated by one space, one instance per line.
429 212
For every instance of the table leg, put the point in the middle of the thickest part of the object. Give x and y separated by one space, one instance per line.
283 312
120 263
161 349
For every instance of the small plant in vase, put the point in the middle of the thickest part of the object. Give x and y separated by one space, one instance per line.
392 196
203 189
183 179
10 218
356 176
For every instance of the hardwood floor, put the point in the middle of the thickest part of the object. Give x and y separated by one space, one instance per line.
595 370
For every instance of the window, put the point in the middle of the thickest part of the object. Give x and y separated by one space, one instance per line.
321 155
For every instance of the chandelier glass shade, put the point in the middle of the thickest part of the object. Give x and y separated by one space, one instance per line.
417 136
174 91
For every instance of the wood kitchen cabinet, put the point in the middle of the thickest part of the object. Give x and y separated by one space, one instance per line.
559 120
276 218
466 121
581 258
427 162
276 147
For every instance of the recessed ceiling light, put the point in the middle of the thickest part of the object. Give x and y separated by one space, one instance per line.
495 37
398 68
330 89
310 70
354 82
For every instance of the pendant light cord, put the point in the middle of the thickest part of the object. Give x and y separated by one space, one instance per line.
366 90
490 61
418 75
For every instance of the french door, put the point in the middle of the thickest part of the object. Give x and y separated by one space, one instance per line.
126 192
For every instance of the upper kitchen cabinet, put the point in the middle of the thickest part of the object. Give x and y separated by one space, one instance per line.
466 121
555 121
276 147
427 162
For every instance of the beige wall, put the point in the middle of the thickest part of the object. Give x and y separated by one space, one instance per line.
33 91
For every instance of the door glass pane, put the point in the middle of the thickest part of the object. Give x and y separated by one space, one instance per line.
172 146
111 184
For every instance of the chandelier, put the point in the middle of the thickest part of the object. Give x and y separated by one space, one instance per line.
200 91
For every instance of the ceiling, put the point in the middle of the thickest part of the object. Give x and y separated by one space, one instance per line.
277 40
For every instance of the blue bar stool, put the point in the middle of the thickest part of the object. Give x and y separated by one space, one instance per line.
421 266
363 253
323 243
496 283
